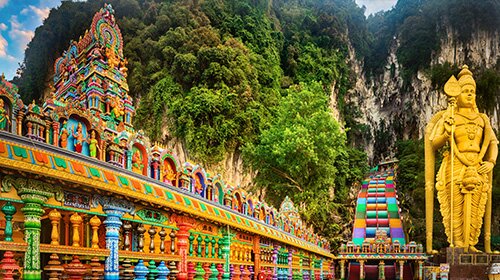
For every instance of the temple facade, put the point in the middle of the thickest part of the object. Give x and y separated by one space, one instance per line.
86 196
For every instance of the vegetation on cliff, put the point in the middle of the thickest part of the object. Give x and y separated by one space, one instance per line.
256 77
247 76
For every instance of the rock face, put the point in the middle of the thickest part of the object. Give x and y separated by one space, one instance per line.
395 111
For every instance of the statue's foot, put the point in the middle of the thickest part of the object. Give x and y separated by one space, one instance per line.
473 249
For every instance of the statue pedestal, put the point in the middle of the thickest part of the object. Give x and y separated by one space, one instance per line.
469 265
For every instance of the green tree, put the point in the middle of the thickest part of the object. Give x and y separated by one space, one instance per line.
302 154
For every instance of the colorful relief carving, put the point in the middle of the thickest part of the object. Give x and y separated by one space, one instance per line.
89 112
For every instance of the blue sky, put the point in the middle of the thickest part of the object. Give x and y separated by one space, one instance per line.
20 18
18 21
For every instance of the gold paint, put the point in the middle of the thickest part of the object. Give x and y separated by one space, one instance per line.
54 217
76 220
121 191
95 222
463 182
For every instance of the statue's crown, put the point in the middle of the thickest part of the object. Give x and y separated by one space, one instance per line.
465 77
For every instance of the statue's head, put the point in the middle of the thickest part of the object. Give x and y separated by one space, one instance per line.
467 97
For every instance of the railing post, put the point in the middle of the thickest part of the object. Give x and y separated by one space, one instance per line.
114 209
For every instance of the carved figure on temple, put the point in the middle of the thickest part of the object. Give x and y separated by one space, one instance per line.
123 67
4 116
78 135
463 182
63 135
117 110
137 165
113 60
198 188
168 173
93 145
97 51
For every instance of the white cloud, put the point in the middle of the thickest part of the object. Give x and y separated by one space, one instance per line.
3 26
41 13
18 34
3 49
3 3
3 46
373 6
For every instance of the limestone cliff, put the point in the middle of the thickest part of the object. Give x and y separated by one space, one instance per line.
394 110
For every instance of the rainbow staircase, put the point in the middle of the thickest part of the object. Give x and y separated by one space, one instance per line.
377 209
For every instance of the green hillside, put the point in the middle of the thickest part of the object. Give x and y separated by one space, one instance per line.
256 77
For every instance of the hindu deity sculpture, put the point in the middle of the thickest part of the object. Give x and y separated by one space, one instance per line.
168 173
63 135
137 165
117 108
4 116
93 145
78 135
463 182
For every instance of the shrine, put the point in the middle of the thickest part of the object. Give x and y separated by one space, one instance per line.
379 248
86 196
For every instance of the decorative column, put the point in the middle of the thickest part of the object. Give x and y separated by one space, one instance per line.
256 252
34 194
76 220
420 270
361 269
114 209
342 269
54 269
290 259
9 210
227 236
275 263
184 224
401 269
381 270
163 271
140 271
129 155
8 265
95 222
55 218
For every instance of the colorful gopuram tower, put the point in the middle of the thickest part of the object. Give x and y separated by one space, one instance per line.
83 195
379 245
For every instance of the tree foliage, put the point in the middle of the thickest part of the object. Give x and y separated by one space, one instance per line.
303 154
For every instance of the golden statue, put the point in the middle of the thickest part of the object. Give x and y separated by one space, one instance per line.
463 182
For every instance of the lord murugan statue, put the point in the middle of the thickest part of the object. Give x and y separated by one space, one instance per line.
464 180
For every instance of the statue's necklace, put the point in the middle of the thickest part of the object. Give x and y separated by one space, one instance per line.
471 130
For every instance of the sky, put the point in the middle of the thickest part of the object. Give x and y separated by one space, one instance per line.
373 6
18 21
20 18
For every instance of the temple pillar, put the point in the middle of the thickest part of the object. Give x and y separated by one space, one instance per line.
401 269
420 270
114 209
256 252
9 210
290 259
342 269
34 194
129 155
381 270
227 236
184 224
275 263
361 269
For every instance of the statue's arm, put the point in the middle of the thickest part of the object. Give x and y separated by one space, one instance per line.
492 152
439 135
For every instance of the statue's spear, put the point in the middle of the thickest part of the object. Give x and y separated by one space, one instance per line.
452 89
